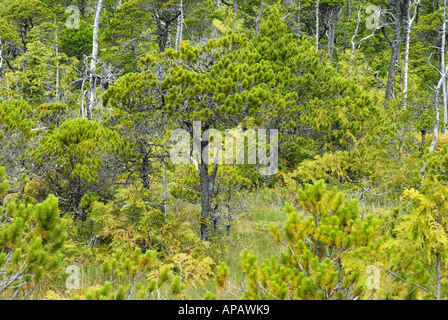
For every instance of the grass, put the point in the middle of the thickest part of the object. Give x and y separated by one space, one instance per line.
250 232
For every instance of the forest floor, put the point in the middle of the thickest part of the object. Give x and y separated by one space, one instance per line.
249 232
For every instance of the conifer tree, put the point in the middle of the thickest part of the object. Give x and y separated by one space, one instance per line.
219 85
16 136
24 16
316 105
78 159
317 239
31 239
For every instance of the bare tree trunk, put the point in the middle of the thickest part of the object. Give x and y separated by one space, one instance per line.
436 122
82 8
317 25
332 30
164 188
394 44
409 23
1 52
92 84
299 22
206 201
442 67
360 42
436 129
57 67
168 39
257 24
352 55
180 23
398 16
438 277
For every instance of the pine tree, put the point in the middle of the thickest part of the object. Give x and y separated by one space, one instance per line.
316 107
31 239
317 241
77 159
219 85
16 136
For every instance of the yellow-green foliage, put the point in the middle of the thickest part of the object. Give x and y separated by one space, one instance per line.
31 239
130 221
132 275
313 266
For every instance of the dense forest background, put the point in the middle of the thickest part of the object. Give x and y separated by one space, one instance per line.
93 207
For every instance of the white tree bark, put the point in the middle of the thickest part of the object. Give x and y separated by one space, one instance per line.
331 34
317 25
180 24
360 42
436 130
165 192
442 66
92 85
257 24
352 55
1 52
438 276
409 22
57 66
299 22
432 147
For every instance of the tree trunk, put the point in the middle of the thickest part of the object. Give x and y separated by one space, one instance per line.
436 129
442 67
395 47
207 182
317 25
332 30
422 144
163 39
1 54
180 23
164 22
82 8
352 55
398 17
409 23
206 201
92 84
144 167
164 189
299 22
391 75
57 67
438 277
257 24
436 123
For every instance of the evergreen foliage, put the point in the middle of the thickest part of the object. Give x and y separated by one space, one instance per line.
93 95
